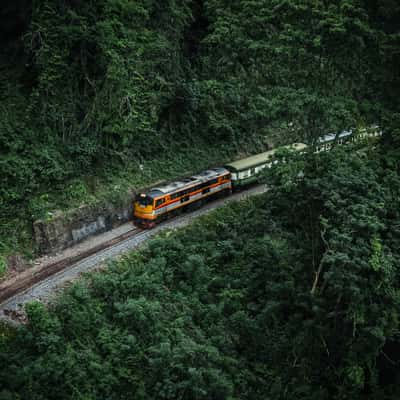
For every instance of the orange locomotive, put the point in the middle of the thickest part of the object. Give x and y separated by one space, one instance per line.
165 201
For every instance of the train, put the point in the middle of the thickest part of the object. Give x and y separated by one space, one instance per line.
166 201
326 142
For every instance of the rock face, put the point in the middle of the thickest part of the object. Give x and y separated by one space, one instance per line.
67 229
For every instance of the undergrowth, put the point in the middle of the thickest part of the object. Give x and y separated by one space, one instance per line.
108 186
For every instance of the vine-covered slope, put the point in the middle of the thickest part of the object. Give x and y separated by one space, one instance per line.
88 86
292 295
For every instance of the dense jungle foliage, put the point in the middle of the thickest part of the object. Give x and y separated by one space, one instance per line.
90 88
291 295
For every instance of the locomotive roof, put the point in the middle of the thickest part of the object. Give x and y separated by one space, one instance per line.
260 159
187 182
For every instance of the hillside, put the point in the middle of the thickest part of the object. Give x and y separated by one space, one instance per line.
292 295
91 90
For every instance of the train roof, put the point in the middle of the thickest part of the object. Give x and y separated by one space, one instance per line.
260 159
332 136
187 182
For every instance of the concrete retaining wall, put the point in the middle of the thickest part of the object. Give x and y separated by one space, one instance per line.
67 229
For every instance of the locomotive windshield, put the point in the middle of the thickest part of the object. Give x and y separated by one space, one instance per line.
144 200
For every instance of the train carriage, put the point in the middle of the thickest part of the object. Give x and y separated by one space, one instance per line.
248 170
165 201
326 142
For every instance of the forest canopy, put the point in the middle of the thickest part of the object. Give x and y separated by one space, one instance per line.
290 295
87 86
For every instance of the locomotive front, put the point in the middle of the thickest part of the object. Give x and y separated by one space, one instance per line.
144 213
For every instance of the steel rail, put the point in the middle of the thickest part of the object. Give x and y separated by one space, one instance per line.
21 285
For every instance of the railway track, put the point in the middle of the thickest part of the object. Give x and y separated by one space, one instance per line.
14 294
41 283
20 285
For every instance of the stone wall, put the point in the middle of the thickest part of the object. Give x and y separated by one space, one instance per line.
65 229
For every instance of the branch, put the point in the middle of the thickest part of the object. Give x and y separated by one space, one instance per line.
318 272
